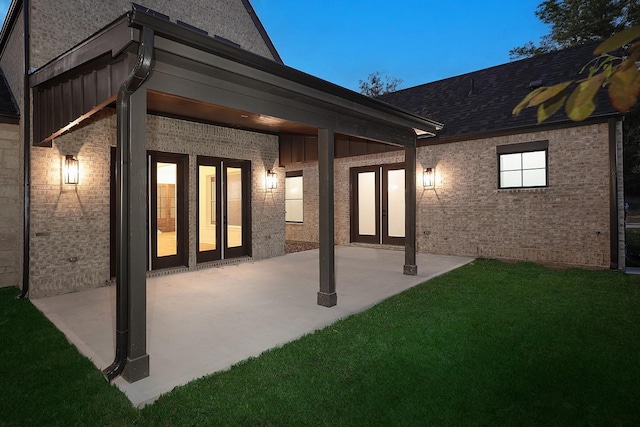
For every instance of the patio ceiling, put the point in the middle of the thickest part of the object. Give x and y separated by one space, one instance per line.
199 78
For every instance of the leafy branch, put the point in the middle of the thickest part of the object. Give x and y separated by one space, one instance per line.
620 75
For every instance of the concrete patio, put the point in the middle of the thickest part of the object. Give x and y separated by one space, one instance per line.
206 321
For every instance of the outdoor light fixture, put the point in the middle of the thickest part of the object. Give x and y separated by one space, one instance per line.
272 180
428 177
71 170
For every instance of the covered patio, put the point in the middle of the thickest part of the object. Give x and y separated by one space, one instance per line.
206 321
145 64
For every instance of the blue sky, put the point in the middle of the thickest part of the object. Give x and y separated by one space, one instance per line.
418 41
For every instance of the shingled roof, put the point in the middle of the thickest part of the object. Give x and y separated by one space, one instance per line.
8 110
482 101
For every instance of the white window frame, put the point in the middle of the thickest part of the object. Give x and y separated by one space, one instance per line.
291 199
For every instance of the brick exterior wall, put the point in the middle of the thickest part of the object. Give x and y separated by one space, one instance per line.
11 166
68 222
11 202
73 221
567 223
56 26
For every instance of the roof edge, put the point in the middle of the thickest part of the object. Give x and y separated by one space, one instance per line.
270 66
263 32
9 21
546 126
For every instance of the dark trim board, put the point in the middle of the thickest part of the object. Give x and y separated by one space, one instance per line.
381 235
222 189
355 206
182 210
613 191
386 238
112 213
437 140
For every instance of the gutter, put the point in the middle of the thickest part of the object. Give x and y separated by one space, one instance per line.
26 135
138 75
294 80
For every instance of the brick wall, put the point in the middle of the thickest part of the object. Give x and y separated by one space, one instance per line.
465 214
11 166
73 221
57 26
11 202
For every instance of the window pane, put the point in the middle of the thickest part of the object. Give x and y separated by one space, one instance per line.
293 199
509 162
293 187
367 204
166 178
534 178
396 202
207 209
293 210
234 207
510 179
534 160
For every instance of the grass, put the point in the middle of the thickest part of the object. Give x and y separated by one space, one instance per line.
488 344
632 241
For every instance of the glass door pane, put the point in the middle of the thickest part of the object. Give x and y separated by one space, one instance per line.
207 217
167 229
395 202
234 207
367 195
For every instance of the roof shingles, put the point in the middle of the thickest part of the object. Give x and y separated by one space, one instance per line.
482 101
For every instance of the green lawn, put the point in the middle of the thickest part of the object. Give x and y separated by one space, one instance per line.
488 344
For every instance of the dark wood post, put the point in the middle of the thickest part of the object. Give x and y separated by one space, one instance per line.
327 296
137 366
410 266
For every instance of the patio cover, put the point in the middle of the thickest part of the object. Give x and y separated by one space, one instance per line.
148 64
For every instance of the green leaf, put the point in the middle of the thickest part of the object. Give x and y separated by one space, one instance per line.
580 104
551 92
550 107
624 88
618 40
540 95
525 102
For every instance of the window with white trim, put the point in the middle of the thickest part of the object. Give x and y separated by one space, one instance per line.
293 199
522 165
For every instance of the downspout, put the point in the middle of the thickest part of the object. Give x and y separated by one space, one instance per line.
26 134
138 75
613 195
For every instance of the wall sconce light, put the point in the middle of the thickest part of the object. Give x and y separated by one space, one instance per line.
71 170
272 180
428 177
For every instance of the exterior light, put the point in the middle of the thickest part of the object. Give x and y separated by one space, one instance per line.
428 177
71 170
272 180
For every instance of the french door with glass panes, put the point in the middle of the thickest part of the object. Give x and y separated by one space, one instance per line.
168 239
378 205
224 209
